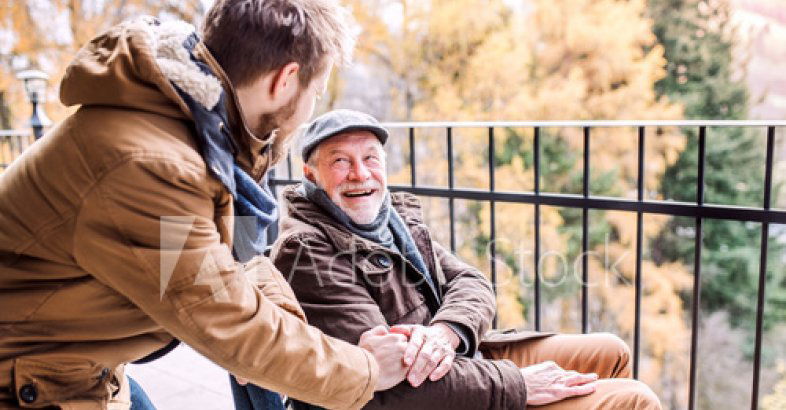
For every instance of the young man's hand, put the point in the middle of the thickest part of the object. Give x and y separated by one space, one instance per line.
548 383
430 352
388 350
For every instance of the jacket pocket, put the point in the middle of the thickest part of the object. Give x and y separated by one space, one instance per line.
385 281
42 382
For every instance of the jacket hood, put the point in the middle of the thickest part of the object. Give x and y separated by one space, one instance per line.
133 65
137 64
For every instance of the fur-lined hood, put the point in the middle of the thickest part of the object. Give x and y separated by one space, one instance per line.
135 64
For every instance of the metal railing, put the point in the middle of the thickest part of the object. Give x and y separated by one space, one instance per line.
12 143
699 210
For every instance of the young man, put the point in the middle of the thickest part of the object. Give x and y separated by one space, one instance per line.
118 226
358 257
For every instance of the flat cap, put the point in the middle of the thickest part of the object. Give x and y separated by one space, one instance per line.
337 122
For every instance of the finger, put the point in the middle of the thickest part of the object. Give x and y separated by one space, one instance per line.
241 381
580 390
427 360
402 330
580 378
416 341
379 330
393 338
442 369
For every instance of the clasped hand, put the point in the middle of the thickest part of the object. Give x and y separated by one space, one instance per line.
411 352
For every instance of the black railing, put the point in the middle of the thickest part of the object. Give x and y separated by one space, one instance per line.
12 143
699 210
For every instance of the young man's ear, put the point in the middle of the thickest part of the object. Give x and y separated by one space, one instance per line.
285 84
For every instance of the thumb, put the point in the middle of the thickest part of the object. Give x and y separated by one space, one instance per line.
380 330
402 330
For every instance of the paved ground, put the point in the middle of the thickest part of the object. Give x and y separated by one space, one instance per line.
184 379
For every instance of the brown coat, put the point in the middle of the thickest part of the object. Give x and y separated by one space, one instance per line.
82 283
347 284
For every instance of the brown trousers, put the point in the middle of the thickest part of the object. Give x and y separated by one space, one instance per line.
601 353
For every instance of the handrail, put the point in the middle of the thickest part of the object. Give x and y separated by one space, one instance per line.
589 123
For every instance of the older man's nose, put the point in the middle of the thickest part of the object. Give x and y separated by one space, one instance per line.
360 172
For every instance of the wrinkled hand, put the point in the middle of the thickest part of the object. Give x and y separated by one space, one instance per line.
430 352
388 350
548 383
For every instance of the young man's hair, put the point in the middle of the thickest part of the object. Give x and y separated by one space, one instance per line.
250 38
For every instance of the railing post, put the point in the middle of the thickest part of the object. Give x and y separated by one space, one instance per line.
639 250
585 236
765 234
699 239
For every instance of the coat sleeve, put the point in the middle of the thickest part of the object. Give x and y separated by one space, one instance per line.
337 302
468 299
146 229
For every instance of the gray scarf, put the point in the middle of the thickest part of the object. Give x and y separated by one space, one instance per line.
387 229
378 231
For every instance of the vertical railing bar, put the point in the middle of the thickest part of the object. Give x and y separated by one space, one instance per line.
289 165
272 229
412 158
14 150
536 279
699 239
3 151
451 185
493 222
20 144
639 250
765 233
585 237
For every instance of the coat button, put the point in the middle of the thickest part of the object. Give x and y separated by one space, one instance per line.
383 261
28 393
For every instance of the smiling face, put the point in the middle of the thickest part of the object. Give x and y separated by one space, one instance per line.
350 167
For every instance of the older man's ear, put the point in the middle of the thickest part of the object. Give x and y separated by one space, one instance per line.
309 173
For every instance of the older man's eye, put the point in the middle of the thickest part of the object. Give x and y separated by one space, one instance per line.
340 162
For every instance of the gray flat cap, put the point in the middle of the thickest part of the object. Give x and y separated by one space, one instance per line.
337 122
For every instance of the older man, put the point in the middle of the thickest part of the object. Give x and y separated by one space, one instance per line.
358 257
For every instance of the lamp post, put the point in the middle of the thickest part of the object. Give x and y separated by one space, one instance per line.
35 87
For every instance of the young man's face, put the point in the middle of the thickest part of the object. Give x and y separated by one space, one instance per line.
301 108
291 115
350 167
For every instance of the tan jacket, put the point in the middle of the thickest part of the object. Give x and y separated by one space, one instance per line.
347 285
85 285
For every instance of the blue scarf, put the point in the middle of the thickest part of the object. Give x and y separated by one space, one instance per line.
254 204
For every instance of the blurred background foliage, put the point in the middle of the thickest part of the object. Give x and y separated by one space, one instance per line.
487 60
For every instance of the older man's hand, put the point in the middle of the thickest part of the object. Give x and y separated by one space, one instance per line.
430 352
548 383
388 350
